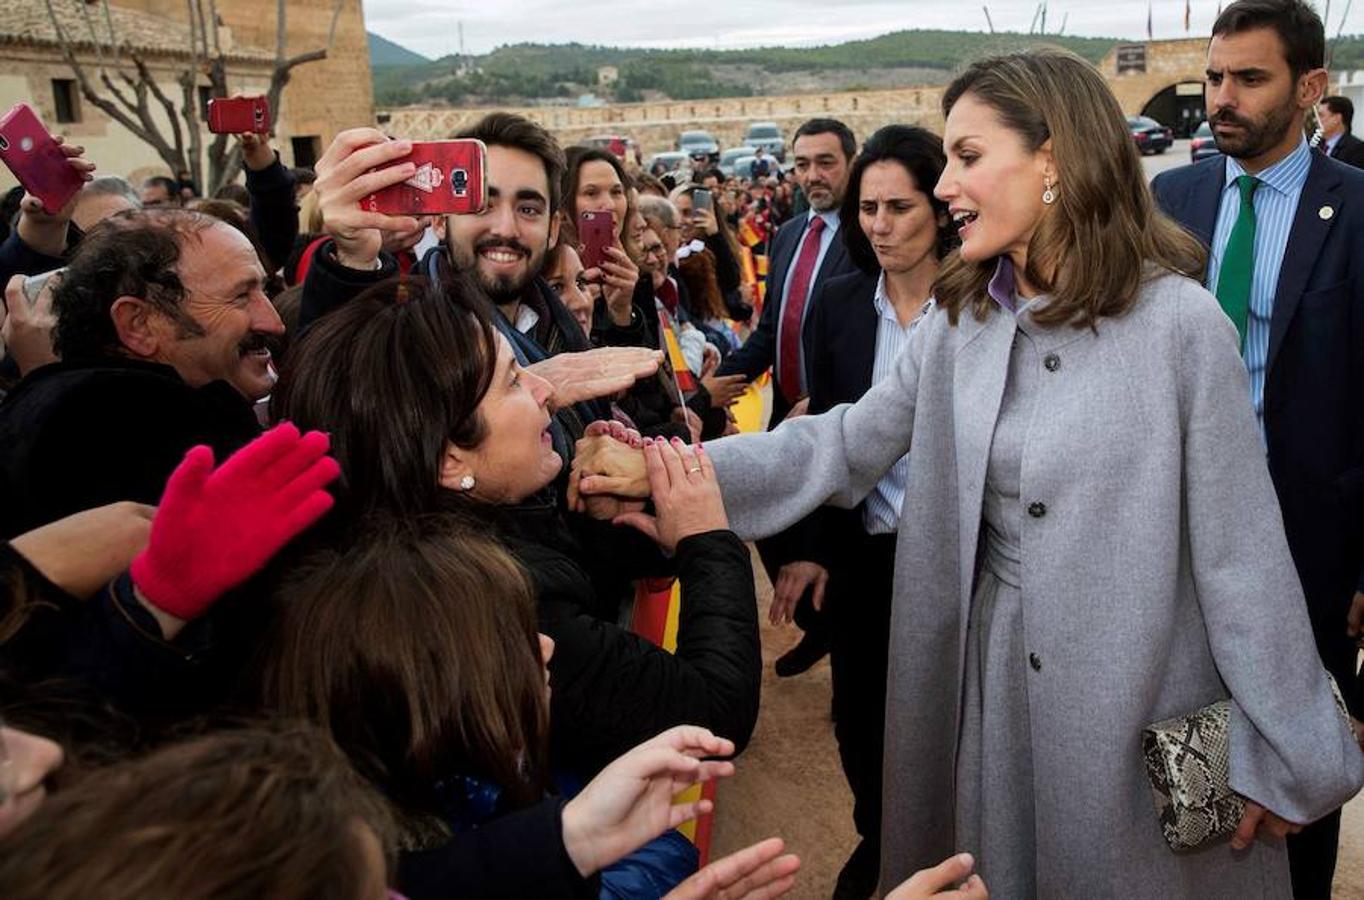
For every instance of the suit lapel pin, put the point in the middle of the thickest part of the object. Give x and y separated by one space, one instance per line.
1326 212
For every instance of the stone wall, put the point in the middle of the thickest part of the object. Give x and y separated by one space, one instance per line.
1167 63
26 74
656 125
322 97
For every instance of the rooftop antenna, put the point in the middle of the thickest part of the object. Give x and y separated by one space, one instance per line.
463 59
1032 28
988 20
1043 29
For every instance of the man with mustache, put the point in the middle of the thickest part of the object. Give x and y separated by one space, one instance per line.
162 325
805 252
1285 229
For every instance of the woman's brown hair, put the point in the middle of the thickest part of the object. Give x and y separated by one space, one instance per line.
256 812
1103 237
394 376
416 647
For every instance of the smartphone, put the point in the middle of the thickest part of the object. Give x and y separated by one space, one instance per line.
36 159
596 232
33 285
239 115
700 199
451 177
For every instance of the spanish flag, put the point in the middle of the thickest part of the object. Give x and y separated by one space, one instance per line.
686 380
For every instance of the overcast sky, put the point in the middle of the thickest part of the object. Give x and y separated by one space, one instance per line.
431 27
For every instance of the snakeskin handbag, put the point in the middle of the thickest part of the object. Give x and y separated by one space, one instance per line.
1187 762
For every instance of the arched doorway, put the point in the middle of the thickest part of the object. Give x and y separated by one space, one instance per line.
1179 106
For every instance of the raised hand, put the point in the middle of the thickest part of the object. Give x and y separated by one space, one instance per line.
757 872
257 154
617 277
43 229
724 390
217 527
344 179
589 374
26 329
630 802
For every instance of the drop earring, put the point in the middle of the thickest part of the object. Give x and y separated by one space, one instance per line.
1048 195
466 483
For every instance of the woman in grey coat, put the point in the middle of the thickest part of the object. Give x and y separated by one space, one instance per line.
1089 542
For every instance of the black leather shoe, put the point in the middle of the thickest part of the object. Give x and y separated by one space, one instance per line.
801 657
857 880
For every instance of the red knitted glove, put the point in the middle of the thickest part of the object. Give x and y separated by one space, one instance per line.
216 528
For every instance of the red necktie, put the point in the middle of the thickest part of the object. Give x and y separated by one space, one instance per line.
788 341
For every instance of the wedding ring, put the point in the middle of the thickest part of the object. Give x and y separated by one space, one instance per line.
693 470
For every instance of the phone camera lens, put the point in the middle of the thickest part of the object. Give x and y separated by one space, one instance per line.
4 142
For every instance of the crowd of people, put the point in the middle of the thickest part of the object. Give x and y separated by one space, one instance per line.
321 525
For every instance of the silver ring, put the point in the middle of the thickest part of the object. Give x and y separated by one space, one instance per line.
693 470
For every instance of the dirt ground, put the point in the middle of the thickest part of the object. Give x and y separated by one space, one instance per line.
789 782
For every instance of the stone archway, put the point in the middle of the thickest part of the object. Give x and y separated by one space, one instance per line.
1178 106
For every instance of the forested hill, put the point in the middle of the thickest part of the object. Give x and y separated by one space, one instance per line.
529 71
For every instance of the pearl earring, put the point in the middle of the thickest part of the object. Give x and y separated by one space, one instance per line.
1048 195
466 483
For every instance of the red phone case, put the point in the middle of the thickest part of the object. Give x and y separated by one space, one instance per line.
596 232
450 178
239 115
36 159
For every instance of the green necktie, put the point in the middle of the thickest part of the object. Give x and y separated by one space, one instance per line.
1238 260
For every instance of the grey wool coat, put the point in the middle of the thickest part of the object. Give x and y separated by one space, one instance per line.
1155 580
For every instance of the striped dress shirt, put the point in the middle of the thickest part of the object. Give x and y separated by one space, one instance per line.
1276 203
882 512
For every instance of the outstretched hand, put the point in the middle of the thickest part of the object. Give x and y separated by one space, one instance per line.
589 374
685 492
217 527
757 872
950 879
630 802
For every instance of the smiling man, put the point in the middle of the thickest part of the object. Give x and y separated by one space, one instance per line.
1285 230
162 325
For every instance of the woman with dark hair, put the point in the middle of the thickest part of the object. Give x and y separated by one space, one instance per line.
1081 458
858 325
249 812
429 413
414 644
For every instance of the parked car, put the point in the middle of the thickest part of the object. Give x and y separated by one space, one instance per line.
1149 135
729 156
767 136
694 142
618 144
1203 145
670 160
743 167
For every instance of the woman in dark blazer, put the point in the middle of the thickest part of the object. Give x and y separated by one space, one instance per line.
858 324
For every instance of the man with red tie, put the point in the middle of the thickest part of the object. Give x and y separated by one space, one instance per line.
805 252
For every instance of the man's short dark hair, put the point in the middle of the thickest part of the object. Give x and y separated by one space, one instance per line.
504 129
1298 26
304 175
829 126
171 186
1342 107
131 254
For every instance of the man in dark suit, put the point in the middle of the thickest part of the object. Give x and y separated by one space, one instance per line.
1285 230
805 252
1337 115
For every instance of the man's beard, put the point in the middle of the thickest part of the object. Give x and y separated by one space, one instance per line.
501 289
1256 138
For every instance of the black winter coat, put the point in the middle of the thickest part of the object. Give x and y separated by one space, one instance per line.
610 688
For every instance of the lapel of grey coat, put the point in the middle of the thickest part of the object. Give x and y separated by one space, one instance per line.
979 374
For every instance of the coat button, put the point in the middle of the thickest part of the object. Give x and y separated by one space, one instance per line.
1037 509
1035 661
1052 362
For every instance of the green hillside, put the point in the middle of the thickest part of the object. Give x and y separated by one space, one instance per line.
383 52
524 71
